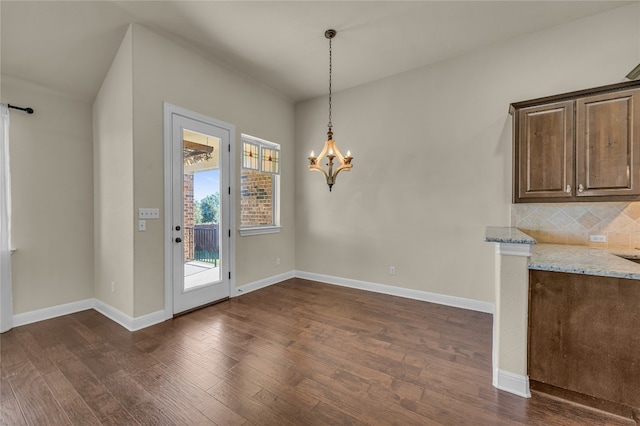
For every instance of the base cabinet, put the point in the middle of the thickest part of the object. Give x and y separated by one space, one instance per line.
584 339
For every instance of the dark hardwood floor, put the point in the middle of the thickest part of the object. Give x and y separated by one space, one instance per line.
296 353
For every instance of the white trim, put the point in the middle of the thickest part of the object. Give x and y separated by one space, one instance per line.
511 249
257 141
494 350
144 321
130 323
138 323
512 383
168 198
52 312
259 230
441 299
168 111
265 282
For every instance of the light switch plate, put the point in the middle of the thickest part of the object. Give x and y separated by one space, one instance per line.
148 213
598 238
142 225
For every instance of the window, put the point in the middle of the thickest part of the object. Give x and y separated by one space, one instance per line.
259 187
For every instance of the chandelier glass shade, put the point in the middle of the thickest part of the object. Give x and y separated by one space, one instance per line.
330 150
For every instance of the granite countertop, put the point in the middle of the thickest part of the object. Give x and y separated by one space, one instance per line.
570 258
495 234
585 260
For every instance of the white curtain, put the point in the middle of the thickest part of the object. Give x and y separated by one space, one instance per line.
6 297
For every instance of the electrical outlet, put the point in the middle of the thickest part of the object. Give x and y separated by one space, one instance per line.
277 261
142 225
598 238
392 270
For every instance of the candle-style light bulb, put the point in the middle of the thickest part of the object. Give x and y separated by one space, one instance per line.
348 153
312 155
331 151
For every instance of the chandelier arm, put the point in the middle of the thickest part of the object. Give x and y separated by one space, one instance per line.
346 167
324 151
319 169
338 154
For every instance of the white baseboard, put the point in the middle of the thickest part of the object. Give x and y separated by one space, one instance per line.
512 383
52 312
441 299
138 323
265 282
130 323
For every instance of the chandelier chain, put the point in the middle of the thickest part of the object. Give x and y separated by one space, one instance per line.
330 70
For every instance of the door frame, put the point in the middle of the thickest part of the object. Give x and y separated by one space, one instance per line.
226 197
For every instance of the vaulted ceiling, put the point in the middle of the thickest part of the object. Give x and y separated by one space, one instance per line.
69 45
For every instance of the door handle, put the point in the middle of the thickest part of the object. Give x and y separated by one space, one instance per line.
178 240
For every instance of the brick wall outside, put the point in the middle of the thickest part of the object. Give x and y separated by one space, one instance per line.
256 198
189 209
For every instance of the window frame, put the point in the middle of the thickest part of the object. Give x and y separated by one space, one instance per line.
275 227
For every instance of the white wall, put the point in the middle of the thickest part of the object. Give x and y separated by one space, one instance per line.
166 72
113 182
432 152
52 201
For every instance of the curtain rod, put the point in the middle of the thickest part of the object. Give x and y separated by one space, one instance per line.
27 110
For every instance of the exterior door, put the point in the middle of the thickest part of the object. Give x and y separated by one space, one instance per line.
200 216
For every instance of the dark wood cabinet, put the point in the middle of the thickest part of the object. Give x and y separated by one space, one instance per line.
546 151
583 339
608 144
579 146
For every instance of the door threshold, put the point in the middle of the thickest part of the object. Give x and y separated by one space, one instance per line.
197 308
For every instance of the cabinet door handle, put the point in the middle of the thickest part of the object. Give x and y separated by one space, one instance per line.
580 188
568 190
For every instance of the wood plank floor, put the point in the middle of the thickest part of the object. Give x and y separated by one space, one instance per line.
296 353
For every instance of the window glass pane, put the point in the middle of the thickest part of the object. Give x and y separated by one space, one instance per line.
270 160
260 183
250 156
256 198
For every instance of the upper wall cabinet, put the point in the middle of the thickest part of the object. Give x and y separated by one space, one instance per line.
579 146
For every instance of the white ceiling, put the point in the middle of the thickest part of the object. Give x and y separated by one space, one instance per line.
69 45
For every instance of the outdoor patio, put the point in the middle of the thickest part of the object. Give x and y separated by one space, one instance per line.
197 273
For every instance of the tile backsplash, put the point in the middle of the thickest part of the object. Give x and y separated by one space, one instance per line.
573 223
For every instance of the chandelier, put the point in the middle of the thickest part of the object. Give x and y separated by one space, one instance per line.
330 149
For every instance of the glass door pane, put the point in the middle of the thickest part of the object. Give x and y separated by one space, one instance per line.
201 209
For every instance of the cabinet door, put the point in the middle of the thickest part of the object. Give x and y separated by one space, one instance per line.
608 144
545 151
